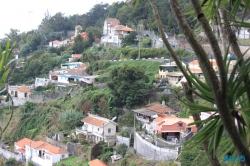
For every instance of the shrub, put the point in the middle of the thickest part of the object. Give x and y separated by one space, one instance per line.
121 149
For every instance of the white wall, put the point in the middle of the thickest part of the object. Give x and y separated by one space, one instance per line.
110 126
62 79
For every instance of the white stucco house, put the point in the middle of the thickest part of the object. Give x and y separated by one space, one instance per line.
39 152
113 32
41 82
97 128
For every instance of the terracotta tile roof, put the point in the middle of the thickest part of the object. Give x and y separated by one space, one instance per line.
84 65
23 142
112 21
52 150
97 162
195 70
119 27
127 29
76 55
23 88
196 62
21 151
54 73
94 121
170 120
159 108
78 72
56 42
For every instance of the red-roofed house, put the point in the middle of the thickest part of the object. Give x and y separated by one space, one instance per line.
97 162
76 56
20 92
113 31
170 126
97 128
40 152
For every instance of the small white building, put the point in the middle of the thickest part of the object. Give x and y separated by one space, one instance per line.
97 129
39 152
41 82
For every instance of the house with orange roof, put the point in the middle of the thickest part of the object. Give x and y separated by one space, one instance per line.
97 162
172 127
55 43
147 115
84 65
97 128
39 152
194 65
170 74
21 92
113 32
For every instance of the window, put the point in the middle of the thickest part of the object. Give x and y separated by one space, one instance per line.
12 92
63 156
109 130
97 129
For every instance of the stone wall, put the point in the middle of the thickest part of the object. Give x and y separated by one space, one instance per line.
122 140
151 151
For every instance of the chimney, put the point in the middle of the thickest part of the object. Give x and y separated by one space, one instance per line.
163 102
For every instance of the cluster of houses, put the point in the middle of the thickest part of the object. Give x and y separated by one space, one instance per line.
70 74
170 74
113 32
44 154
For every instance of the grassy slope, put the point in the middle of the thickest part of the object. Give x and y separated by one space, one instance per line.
150 68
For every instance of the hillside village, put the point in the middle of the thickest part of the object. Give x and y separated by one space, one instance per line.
109 96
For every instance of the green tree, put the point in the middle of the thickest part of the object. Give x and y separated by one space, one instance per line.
124 14
128 85
69 119
127 119
79 45
129 39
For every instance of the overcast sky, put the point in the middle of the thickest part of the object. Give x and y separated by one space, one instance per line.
25 15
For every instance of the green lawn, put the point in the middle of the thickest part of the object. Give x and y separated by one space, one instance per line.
72 161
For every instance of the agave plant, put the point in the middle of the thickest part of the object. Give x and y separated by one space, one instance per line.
5 61
4 71
212 127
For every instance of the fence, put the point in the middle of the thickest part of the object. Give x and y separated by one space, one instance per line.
151 151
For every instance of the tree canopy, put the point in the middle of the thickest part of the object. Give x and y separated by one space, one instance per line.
128 85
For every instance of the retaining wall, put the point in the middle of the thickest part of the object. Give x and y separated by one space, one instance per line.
122 140
151 151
